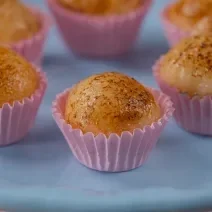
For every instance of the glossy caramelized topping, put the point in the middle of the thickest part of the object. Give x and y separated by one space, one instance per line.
188 66
16 21
110 103
101 7
17 77
187 13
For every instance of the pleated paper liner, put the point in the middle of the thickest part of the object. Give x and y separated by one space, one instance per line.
17 119
114 153
98 36
194 114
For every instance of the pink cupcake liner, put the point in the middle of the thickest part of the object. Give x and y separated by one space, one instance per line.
192 114
17 119
32 48
98 36
115 153
173 33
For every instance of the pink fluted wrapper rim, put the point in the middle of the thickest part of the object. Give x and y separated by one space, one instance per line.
172 32
114 153
17 119
32 48
193 114
105 36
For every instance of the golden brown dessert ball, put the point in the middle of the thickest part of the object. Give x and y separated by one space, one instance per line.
89 6
16 21
188 66
187 13
101 7
204 26
123 6
18 79
110 103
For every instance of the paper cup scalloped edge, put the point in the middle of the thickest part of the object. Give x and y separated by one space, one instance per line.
114 153
17 119
194 114
97 36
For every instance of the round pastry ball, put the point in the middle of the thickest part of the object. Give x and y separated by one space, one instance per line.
204 26
122 6
187 13
16 21
188 66
101 7
18 79
89 6
110 103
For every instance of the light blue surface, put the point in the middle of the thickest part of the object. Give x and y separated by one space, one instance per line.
40 173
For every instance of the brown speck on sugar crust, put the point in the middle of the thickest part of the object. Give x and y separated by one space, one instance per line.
190 60
194 54
18 79
110 103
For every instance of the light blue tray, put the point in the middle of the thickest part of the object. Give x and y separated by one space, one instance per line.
40 173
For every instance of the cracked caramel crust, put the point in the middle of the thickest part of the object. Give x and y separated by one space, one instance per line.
109 103
193 55
18 79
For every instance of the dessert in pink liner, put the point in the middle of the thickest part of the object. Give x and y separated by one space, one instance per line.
24 29
185 18
185 74
110 121
32 48
173 33
22 90
98 35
